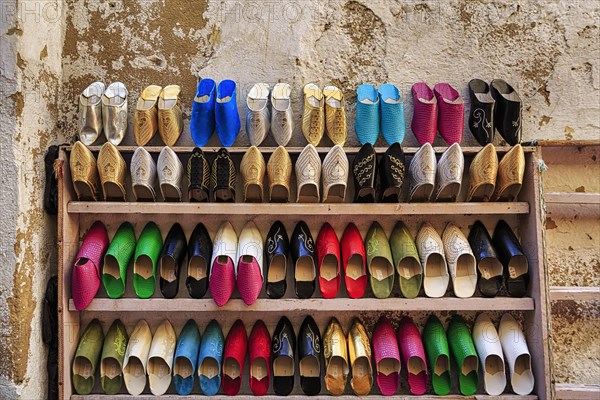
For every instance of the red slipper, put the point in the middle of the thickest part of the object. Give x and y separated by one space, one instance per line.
85 279
424 122
234 355
387 357
260 359
451 120
328 259
413 355
354 262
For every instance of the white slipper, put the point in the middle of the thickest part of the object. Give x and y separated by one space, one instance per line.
517 354
160 358
136 357
431 250
489 349
461 261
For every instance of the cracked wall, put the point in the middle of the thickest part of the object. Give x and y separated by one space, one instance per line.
51 50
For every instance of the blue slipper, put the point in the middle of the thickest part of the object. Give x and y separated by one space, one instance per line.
210 359
186 358
393 126
366 124
226 113
202 123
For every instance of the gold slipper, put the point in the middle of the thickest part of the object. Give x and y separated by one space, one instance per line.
482 174
252 169
112 168
335 115
145 119
313 120
170 119
84 172
279 169
511 170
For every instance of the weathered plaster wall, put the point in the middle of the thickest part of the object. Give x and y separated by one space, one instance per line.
51 50
31 73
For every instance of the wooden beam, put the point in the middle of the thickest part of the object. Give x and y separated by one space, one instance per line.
569 391
578 293
303 397
567 143
99 207
311 305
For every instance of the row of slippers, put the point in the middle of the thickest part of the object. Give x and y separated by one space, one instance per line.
218 362
495 106
428 261
429 179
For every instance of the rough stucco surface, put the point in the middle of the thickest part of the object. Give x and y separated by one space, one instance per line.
549 51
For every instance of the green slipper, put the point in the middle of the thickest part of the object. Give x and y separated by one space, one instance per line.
86 358
438 355
111 363
116 260
406 260
463 351
147 252
379 261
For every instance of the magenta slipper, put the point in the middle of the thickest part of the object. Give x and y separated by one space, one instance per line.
424 122
85 279
451 118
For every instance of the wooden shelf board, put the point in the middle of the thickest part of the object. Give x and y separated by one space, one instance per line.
78 207
312 305
569 391
571 198
299 397
578 293
297 150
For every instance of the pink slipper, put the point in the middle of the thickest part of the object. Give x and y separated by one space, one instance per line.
85 279
413 355
222 280
451 121
424 122
387 357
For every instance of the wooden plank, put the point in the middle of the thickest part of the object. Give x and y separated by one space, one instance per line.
308 305
568 198
577 293
297 150
249 209
569 391
536 325
301 397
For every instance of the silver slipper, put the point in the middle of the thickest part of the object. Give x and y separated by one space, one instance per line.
114 112
335 171
170 174
308 175
282 122
422 174
258 117
90 113
449 174
143 175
